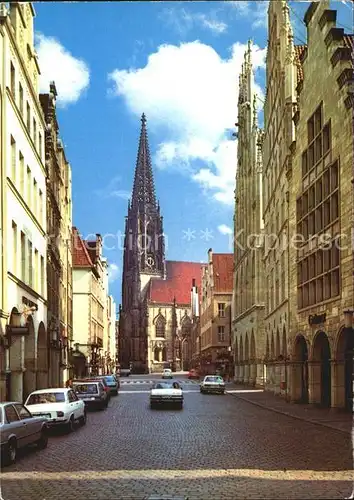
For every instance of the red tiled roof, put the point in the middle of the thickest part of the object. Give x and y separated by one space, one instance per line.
178 283
299 50
223 266
81 257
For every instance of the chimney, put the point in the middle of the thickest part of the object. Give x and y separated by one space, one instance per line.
210 255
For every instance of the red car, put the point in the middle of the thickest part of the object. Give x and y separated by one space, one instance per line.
193 374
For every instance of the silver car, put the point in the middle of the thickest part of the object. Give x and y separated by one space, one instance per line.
18 428
212 384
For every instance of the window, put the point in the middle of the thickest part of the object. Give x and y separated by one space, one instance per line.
13 159
29 187
221 310
36 269
30 264
20 97
160 327
22 174
22 411
11 414
40 144
28 110
42 277
23 256
35 197
14 247
221 333
40 207
13 80
34 132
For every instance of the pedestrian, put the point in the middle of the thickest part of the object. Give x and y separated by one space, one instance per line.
69 384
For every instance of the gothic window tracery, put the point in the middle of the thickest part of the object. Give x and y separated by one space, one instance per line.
160 327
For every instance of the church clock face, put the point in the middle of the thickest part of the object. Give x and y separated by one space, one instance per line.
150 262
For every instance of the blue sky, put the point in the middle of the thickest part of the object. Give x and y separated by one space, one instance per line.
178 63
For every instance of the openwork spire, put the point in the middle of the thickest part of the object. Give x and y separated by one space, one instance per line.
143 189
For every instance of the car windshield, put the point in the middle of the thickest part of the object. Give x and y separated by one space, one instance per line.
86 388
166 385
110 379
214 379
46 398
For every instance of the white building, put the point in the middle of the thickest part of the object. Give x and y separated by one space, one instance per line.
23 210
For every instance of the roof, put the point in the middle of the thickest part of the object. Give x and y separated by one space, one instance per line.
81 257
223 267
178 283
299 50
51 389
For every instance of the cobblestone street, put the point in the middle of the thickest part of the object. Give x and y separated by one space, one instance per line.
217 447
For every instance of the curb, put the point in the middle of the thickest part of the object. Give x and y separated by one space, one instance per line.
265 407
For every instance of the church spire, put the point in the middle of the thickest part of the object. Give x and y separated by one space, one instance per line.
143 190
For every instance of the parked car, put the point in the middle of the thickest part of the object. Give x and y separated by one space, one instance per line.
112 383
212 384
61 407
99 378
18 429
193 374
125 372
166 393
92 393
167 373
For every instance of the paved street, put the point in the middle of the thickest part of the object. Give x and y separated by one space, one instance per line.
217 447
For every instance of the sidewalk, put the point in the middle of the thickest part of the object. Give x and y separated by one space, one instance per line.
333 419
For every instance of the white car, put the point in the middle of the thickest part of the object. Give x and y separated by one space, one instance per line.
167 373
212 384
61 407
166 393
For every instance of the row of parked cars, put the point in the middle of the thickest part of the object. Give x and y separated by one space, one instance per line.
25 424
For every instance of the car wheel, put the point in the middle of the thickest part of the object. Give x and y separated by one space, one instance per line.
180 406
42 442
70 426
152 406
11 452
83 419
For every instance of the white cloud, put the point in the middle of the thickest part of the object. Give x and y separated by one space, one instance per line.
71 75
113 272
190 94
224 229
112 190
184 21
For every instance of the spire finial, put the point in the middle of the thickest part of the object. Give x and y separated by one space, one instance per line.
143 119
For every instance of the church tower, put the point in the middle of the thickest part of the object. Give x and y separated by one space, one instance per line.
143 260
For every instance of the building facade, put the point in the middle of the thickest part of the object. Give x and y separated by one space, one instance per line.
155 316
282 77
248 298
59 259
321 201
24 348
89 303
215 313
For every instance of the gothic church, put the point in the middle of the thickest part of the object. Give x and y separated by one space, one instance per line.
156 313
